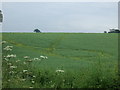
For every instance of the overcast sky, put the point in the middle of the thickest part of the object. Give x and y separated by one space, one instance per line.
60 17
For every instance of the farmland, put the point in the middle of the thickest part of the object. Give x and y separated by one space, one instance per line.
85 60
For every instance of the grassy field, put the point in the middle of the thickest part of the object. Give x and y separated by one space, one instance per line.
66 60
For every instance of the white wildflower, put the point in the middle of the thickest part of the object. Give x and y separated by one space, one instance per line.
3 42
8 48
5 59
8 56
53 85
26 57
11 56
4 56
17 60
9 64
29 60
23 79
24 63
36 59
8 80
13 67
33 82
11 72
50 82
34 76
25 71
44 57
61 71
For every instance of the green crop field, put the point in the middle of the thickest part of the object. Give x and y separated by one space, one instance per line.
64 60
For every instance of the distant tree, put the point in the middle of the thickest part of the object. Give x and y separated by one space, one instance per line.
105 31
1 16
37 31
